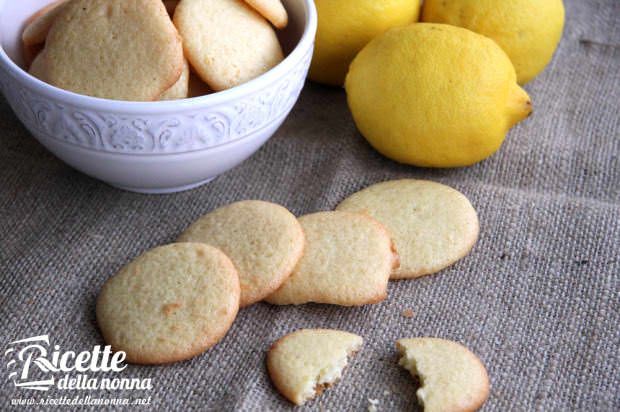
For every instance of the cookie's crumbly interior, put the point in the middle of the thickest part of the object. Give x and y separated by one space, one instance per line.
304 363
328 375
451 377
409 363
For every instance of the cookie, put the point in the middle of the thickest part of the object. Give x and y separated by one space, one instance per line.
115 49
272 10
264 241
432 225
180 89
38 67
226 42
347 261
452 377
170 304
306 362
39 25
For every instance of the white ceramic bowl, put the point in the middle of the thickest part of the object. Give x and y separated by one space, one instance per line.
156 147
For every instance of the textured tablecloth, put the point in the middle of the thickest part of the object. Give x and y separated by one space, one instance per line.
538 299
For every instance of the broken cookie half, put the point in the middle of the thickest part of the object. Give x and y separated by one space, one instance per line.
304 363
452 378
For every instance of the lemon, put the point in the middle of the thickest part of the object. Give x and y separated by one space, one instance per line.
435 95
346 26
528 30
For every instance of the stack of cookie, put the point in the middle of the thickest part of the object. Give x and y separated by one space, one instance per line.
147 50
176 301
180 299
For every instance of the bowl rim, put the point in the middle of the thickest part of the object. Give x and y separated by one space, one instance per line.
304 45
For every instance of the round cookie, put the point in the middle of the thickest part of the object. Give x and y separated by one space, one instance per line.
38 67
180 89
432 224
264 241
347 261
304 363
272 10
226 42
452 377
39 25
169 304
115 49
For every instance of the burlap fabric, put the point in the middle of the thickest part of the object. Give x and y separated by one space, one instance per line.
537 299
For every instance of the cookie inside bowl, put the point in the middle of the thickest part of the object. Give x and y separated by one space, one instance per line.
159 146
16 16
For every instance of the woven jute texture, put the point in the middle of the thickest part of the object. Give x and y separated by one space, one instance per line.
538 299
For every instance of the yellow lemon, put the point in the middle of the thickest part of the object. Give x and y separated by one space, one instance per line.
435 95
346 26
528 30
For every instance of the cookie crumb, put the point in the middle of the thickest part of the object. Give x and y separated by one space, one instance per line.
372 407
408 313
